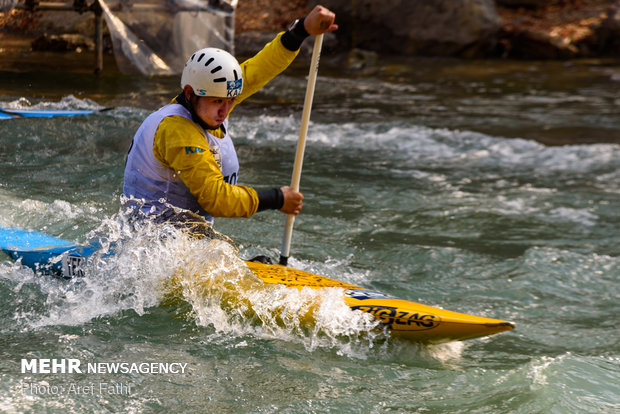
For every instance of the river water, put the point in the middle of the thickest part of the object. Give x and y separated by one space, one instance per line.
486 187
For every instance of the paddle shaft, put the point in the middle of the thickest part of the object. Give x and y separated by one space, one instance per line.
301 145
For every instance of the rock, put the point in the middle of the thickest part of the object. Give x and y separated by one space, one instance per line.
528 44
249 43
566 30
358 59
528 4
465 28
63 43
609 32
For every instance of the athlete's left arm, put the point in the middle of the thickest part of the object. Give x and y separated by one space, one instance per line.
272 60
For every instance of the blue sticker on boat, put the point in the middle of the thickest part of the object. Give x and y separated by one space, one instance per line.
362 294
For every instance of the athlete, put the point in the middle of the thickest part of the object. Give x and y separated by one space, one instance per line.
183 156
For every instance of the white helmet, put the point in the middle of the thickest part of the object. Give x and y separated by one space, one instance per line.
213 72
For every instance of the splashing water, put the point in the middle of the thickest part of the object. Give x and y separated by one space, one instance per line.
440 193
145 266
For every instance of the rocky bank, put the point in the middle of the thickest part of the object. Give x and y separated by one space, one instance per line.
517 29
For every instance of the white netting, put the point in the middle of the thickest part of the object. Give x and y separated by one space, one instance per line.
6 5
155 37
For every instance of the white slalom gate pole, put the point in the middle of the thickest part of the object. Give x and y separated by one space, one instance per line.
301 144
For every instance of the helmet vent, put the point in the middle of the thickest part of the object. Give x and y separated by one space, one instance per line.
216 69
219 80
208 62
235 73
200 58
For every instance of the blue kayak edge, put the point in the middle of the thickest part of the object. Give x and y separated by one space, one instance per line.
7 113
45 253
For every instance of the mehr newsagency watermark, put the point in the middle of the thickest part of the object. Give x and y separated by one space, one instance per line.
62 366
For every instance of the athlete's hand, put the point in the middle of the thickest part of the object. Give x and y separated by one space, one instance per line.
320 20
292 201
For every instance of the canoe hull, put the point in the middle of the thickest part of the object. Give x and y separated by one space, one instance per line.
403 318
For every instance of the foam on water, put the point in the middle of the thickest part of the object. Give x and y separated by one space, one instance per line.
155 265
401 191
564 382
417 144
59 217
69 102
159 265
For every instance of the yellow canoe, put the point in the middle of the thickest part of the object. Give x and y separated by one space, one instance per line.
403 318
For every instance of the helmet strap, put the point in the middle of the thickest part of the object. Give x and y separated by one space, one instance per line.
187 104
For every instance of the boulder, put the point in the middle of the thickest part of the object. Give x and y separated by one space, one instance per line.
465 28
529 44
609 32
528 4
63 43
565 31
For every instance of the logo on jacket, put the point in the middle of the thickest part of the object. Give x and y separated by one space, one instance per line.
193 150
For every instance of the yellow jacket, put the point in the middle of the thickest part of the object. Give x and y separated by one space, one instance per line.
198 169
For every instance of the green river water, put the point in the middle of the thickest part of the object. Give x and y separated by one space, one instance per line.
485 187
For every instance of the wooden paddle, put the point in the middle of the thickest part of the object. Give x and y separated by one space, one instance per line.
301 145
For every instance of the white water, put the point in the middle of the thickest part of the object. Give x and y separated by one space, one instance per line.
420 195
